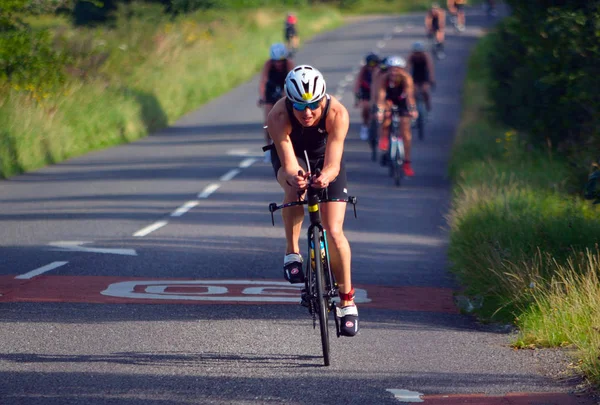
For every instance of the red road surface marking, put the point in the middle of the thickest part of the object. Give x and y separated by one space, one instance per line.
509 399
47 288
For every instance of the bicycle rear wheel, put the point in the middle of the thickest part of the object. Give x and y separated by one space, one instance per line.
322 298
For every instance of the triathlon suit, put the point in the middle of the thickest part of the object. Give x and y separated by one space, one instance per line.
275 82
420 70
313 140
397 95
364 91
435 21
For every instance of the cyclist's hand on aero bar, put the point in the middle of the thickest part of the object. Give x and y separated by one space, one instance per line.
298 181
321 180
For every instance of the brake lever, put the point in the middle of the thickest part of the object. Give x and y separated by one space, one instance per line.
272 209
352 200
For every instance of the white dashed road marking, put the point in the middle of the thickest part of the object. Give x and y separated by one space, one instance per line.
211 188
150 228
40 270
230 174
184 208
247 162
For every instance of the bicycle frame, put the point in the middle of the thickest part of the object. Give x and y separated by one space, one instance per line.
320 285
396 147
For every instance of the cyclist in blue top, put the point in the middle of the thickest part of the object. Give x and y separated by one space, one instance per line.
310 120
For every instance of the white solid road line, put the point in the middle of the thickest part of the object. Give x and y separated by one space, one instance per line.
40 270
184 208
230 174
150 228
208 190
247 162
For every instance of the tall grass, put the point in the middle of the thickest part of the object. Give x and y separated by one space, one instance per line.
518 238
138 77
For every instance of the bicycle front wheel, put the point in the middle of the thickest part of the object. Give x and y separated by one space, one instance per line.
322 297
398 162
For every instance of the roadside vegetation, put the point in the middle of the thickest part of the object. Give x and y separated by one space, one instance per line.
524 243
76 77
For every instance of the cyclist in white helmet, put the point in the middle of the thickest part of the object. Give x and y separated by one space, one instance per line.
308 119
272 81
396 88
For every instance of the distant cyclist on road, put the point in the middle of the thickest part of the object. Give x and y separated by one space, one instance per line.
362 90
396 89
311 120
291 33
457 9
435 24
272 81
420 65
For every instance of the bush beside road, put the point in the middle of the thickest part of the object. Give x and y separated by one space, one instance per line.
525 248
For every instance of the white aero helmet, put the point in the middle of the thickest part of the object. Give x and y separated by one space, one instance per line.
304 84
278 51
396 61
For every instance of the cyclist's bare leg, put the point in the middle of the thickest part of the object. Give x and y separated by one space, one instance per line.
426 89
366 111
439 36
339 248
461 17
406 136
267 110
384 132
292 216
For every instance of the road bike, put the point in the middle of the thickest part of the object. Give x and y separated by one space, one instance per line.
396 154
320 286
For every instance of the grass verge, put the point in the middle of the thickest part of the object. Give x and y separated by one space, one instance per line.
521 245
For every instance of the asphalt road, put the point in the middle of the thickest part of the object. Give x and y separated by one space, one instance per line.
138 298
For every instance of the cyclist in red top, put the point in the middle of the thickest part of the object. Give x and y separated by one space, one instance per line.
396 88
291 34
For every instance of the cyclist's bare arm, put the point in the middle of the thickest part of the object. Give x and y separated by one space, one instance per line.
374 85
359 79
410 91
280 128
442 19
428 21
264 76
381 91
290 65
430 67
337 125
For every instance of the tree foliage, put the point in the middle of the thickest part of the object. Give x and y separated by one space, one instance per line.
545 70
27 57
